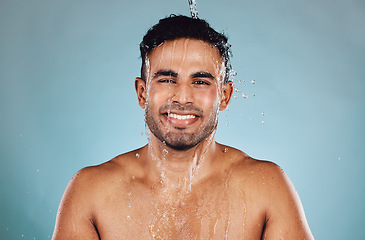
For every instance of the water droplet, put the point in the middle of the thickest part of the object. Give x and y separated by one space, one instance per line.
236 89
262 122
339 158
239 81
37 170
235 97
232 72
244 95
227 124
142 133
253 82
129 194
226 150
262 113
193 9
165 151
133 177
129 205
128 217
137 155
22 235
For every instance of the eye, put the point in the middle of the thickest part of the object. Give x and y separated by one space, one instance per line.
166 80
201 82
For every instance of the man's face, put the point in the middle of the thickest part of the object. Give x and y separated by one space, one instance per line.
184 90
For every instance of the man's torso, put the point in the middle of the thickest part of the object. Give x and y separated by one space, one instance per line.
221 206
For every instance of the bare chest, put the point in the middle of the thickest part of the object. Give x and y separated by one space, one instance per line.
212 211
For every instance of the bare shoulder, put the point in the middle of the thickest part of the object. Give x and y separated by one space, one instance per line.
95 179
254 171
264 179
86 194
89 183
269 191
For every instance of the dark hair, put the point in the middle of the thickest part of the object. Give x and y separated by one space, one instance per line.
178 26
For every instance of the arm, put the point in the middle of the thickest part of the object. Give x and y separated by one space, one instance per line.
285 217
74 217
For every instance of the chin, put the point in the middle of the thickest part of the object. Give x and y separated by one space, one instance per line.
180 146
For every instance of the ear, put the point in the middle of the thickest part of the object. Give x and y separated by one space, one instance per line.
140 86
226 95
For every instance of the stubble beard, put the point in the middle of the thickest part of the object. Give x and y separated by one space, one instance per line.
178 139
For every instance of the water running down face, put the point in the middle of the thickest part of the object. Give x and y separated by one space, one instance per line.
184 92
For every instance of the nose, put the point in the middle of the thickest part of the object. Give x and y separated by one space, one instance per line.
183 94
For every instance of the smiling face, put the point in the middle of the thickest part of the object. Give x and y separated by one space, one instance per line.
183 92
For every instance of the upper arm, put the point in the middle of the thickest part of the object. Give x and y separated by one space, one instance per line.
74 217
285 217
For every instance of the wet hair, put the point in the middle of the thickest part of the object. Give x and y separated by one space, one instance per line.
177 26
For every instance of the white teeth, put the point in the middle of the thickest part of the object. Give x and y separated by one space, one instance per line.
181 117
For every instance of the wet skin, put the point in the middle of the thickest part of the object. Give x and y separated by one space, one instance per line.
205 191
184 89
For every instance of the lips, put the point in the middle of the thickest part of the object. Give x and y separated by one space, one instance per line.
180 116
181 120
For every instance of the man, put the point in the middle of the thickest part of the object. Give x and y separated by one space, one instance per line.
182 184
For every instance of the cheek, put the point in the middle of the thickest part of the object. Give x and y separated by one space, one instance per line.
208 98
158 96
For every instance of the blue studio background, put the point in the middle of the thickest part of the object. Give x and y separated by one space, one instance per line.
67 99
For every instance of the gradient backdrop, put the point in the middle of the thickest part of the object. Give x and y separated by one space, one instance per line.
67 99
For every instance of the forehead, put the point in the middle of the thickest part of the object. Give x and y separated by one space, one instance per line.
184 52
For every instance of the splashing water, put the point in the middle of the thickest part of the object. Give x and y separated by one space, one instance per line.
170 217
193 9
181 211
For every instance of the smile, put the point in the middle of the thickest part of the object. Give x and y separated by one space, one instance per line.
181 117
181 120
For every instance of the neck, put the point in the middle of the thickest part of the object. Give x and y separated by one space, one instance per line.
177 169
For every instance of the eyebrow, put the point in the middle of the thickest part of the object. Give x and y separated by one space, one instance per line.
166 73
171 73
202 75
